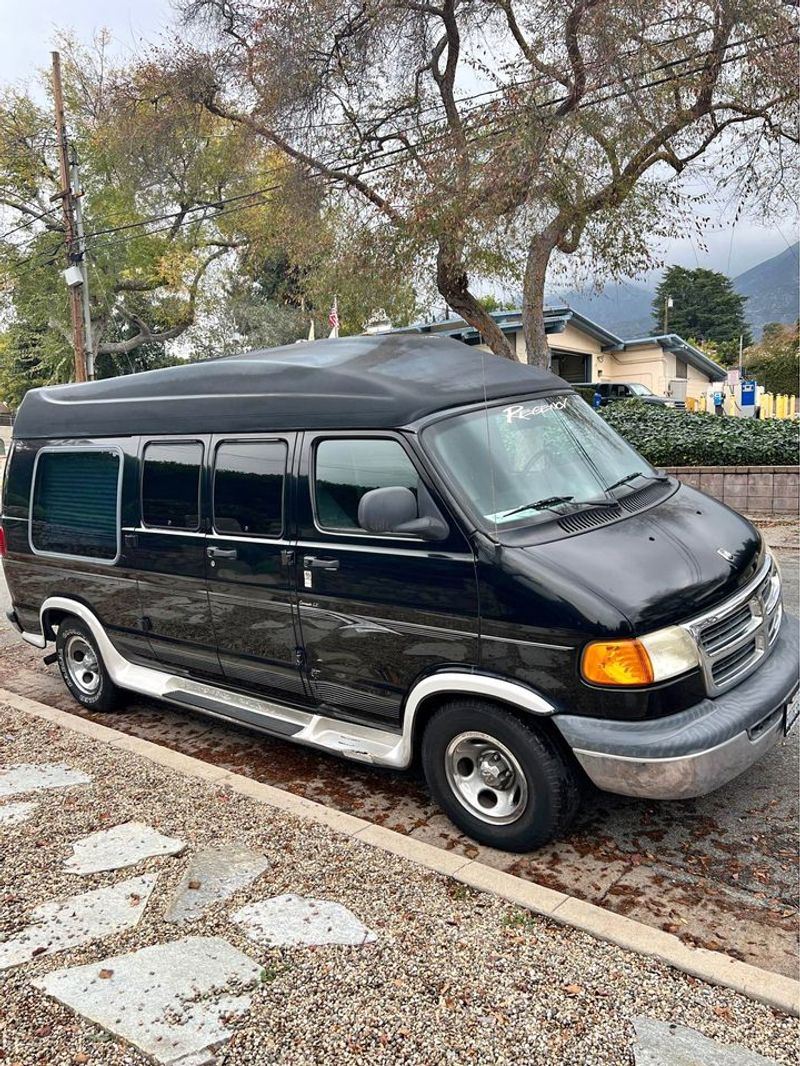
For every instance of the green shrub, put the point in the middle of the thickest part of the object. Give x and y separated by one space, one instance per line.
669 437
586 393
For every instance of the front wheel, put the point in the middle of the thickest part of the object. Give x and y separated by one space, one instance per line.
82 668
500 779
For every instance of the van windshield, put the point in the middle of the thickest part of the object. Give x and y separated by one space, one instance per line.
516 461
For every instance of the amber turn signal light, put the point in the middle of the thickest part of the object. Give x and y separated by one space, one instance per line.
617 662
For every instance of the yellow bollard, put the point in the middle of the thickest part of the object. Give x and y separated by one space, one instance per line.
792 407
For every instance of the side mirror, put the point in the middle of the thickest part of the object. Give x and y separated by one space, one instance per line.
394 510
428 528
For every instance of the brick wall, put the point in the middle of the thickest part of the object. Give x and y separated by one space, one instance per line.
772 489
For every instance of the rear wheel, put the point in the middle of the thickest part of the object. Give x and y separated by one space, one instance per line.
82 668
500 779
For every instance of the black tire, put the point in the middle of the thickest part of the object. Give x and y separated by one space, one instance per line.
74 639
541 808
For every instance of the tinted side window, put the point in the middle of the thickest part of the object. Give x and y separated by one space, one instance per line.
171 485
346 469
248 488
75 503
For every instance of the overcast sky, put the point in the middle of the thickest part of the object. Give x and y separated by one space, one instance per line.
27 37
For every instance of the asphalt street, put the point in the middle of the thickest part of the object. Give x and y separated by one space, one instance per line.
720 871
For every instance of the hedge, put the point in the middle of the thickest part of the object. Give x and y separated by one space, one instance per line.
669 437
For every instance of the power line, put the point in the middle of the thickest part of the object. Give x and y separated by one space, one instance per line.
216 206
335 164
535 79
29 222
403 150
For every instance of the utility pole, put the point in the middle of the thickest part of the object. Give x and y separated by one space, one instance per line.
67 200
667 304
77 194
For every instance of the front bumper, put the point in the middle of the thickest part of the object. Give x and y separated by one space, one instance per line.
700 749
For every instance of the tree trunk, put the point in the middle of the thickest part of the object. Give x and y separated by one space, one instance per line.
452 283
539 252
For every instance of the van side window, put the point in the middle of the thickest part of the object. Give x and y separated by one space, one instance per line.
75 503
248 488
346 469
171 485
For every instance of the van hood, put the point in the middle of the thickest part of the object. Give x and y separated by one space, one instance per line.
662 566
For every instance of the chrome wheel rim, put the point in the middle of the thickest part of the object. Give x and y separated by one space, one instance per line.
486 778
82 665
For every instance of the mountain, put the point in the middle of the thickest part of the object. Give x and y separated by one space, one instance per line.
625 307
772 289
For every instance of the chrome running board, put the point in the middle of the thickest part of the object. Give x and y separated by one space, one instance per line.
363 743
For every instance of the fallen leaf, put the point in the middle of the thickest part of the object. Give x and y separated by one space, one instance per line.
194 884
724 1012
81 1057
135 899
105 974
573 990
44 1030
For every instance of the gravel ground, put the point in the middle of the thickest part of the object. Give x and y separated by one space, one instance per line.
455 976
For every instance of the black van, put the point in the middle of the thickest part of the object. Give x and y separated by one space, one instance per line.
399 546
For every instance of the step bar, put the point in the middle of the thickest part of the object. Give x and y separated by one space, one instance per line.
368 744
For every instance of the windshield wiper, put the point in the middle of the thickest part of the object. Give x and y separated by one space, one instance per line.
548 503
635 474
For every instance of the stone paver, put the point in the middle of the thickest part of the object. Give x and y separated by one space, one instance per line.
214 874
175 1001
122 845
14 813
287 920
32 777
68 923
668 1044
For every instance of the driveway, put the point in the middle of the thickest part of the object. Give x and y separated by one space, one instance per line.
719 871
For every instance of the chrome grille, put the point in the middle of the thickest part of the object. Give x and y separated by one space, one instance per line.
735 637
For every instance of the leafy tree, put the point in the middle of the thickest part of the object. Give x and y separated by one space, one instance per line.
568 151
704 306
492 303
173 229
775 361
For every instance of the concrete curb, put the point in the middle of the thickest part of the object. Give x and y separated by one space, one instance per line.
782 993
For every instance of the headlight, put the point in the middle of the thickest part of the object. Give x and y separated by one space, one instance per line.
641 661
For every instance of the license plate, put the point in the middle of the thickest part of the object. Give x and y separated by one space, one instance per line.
792 714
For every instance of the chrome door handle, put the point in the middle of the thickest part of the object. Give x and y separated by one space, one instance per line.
221 553
311 562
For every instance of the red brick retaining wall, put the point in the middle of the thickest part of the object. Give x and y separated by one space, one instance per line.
774 489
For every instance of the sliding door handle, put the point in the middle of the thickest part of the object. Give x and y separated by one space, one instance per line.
311 562
221 553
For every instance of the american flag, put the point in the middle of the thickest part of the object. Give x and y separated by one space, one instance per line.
333 318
